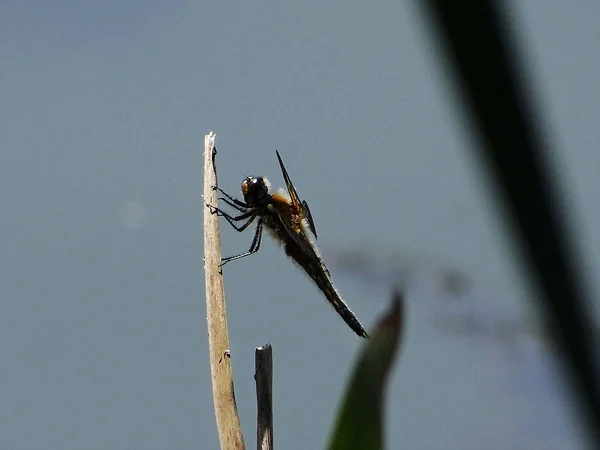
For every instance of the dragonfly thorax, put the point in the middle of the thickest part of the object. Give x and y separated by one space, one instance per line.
255 190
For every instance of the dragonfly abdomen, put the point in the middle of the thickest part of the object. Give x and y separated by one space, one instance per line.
340 306
322 279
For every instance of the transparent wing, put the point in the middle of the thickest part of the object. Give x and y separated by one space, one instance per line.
299 205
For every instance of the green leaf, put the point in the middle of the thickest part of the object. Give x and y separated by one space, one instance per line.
359 423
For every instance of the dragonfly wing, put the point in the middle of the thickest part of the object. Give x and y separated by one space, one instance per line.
297 204
308 216
288 182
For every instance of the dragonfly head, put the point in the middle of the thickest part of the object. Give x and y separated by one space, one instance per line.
255 190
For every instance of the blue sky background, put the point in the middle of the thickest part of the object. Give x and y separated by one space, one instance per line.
104 110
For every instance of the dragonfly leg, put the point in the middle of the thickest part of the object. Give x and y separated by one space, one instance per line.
233 205
253 247
230 198
250 215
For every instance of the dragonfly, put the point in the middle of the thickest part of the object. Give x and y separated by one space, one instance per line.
289 221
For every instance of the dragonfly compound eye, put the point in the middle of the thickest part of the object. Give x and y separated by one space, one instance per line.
255 190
